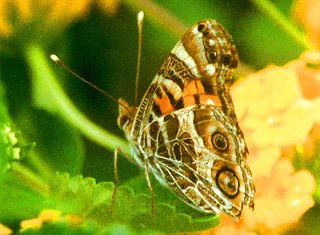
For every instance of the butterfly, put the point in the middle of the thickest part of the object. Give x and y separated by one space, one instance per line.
185 130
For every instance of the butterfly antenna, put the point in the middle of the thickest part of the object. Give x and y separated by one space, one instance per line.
140 22
59 62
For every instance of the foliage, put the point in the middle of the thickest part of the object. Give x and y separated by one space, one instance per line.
55 157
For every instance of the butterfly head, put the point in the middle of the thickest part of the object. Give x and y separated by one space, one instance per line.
126 116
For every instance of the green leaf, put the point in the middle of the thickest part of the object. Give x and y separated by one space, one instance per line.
12 146
59 144
314 167
5 154
87 228
311 163
88 200
183 218
17 201
81 196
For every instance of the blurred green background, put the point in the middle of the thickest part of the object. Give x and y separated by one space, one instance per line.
103 49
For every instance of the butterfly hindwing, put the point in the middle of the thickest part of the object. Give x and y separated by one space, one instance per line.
185 127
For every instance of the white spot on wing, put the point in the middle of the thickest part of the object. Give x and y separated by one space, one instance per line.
181 53
222 41
210 101
172 85
211 42
210 69
209 24
176 47
195 30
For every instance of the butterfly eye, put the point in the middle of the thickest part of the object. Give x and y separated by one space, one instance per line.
219 141
227 182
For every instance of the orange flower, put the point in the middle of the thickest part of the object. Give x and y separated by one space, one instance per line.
109 7
272 110
307 12
276 113
279 192
307 68
4 230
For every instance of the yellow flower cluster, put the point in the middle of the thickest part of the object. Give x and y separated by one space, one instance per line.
277 108
51 13
48 216
16 15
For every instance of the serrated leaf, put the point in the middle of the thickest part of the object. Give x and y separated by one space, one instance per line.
172 215
81 196
86 228
88 200
17 201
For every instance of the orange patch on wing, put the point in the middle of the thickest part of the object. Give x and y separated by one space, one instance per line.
164 105
188 100
204 99
194 87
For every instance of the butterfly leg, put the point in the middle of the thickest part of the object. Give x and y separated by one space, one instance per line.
116 181
146 173
116 178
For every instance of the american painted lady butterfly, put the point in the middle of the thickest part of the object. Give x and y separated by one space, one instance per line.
185 130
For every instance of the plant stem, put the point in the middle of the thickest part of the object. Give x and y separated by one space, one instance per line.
169 21
28 178
270 10
43 169
45 80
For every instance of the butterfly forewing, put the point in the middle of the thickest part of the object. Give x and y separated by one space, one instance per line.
185 127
